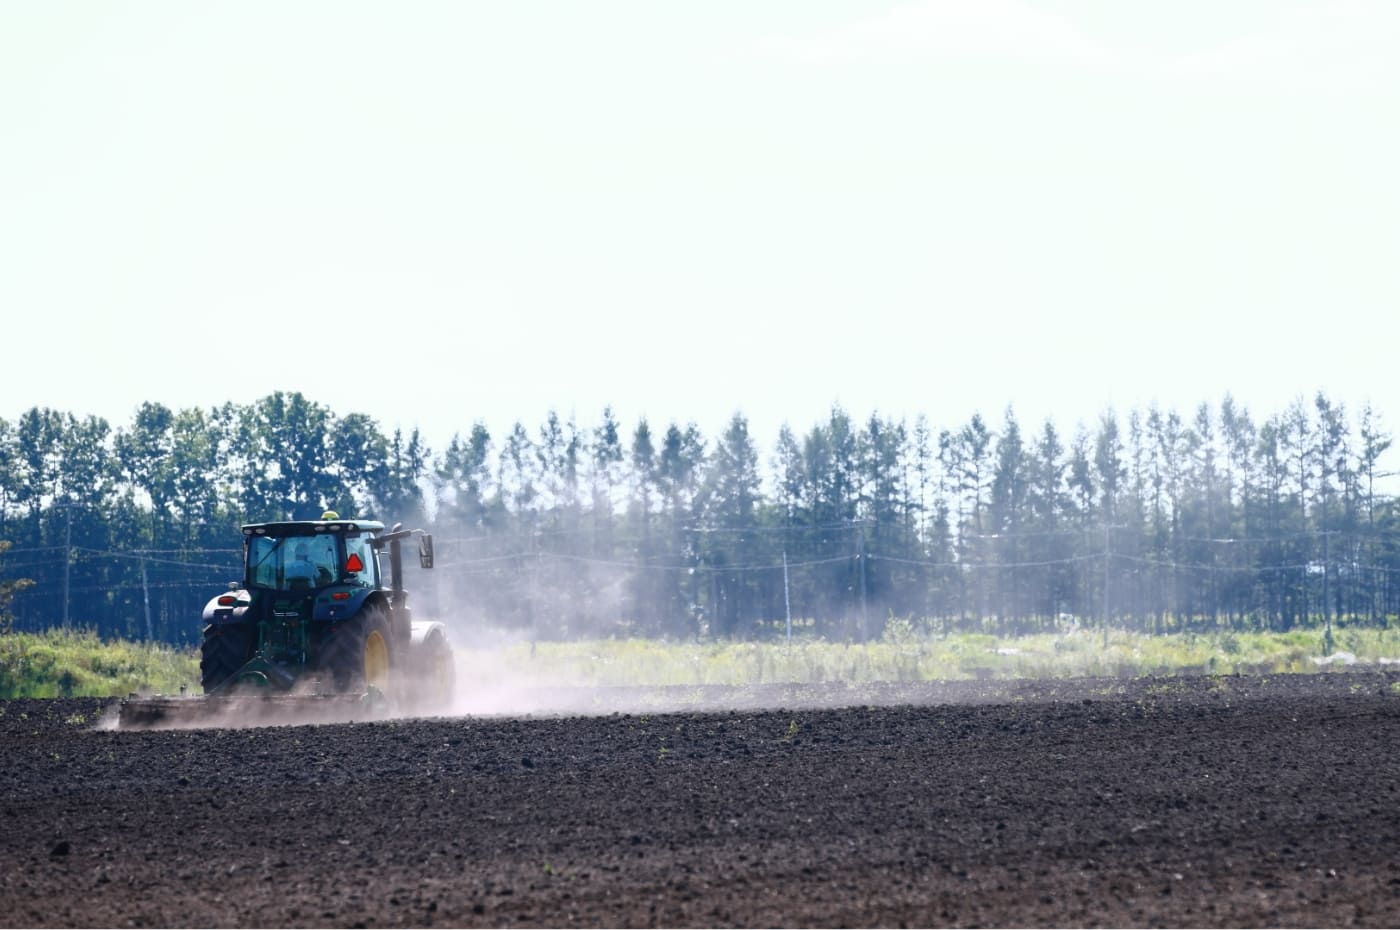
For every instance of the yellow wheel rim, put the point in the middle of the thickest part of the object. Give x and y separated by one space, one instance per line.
376 660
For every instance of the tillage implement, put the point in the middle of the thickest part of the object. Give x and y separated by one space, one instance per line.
313 632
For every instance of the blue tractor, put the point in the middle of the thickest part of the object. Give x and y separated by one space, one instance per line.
321 612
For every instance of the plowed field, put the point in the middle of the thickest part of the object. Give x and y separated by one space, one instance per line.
1198 801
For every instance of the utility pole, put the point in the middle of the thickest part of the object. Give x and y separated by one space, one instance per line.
146 598
1371 609
787 601
1106 556
1326 590
860 562
67 558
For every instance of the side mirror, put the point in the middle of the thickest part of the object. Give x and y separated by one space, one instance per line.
425 550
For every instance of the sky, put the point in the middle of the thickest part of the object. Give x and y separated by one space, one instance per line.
443 213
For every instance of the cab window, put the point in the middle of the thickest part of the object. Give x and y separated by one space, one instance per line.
263 561
358 551
295 563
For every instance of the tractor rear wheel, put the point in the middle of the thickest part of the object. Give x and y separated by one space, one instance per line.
360 655
226 647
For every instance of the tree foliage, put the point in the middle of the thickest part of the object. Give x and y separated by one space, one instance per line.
1150 520
8 589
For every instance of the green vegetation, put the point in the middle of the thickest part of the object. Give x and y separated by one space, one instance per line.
960 656
67 663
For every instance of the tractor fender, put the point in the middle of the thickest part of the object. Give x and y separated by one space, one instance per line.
422 629
216 613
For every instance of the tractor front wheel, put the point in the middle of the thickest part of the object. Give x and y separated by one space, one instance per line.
375 658
434 677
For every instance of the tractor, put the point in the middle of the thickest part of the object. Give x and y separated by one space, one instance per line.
314 618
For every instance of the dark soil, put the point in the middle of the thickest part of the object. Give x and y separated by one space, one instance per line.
1232 801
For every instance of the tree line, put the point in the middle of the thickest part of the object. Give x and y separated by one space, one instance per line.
1152 521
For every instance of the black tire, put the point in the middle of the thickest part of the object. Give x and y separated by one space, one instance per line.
345 654
226 647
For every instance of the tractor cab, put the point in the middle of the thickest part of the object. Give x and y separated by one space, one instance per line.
306 555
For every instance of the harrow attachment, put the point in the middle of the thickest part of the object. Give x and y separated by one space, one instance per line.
237 710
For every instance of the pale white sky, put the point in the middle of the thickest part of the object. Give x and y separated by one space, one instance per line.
441 212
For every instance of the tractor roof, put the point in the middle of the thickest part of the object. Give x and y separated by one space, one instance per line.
311 527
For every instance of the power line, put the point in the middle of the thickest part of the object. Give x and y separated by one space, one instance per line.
697 568
487 560
140 555
982 565
1032 534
